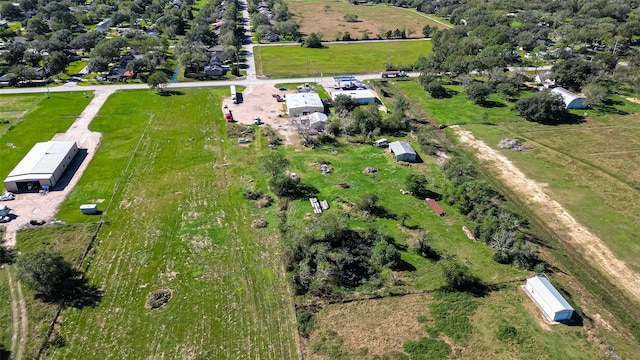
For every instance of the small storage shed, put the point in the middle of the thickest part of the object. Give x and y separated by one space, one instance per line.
89 209
554 307
571 100
318 121
403 151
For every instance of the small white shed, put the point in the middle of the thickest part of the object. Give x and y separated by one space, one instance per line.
554 307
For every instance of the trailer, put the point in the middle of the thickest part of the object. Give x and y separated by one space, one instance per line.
393 73
234 94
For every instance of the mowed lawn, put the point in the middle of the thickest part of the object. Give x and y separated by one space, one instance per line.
177 221
354 58
314 17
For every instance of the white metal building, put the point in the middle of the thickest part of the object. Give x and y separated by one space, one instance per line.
304 104
571 100
554 307
43 165
363 97
318 121
403 151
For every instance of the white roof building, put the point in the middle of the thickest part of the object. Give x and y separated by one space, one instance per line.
303 104
43 165
554 307
361 96
403 151
571 100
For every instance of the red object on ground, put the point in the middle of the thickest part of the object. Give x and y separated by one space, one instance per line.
228 117
435 206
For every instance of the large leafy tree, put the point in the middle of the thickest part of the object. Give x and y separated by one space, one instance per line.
572 73
543 107
45 273
55 62
158 81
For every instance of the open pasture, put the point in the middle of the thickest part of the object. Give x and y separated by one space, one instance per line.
169 180
327 18
335 59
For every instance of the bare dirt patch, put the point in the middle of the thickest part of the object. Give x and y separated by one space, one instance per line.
559 219
381 326
259 102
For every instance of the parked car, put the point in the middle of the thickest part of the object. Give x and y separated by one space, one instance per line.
7 196
243 141
4 219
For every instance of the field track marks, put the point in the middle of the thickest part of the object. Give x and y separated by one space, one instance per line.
559 218
19 318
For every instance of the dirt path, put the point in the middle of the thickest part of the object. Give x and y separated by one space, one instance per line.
19 318
559 219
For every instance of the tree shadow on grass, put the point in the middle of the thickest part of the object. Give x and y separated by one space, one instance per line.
170 92
489 104
567 119
404 266
383 213
76 293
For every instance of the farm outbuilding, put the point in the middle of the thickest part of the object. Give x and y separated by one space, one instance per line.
554 307
363 97
304 104
571 100
43 166
403 151
318 121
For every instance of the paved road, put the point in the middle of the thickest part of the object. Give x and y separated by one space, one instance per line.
248 44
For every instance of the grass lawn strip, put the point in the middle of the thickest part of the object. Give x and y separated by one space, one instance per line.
335 59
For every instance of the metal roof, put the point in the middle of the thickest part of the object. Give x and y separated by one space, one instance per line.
42 160
355 94
401 147
547 296
567 95
300 100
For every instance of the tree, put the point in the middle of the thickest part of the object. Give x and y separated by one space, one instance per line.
572 73
368 118
158 81
508 91
367 202
344 102
594 94
55 62
32 57
457 276
416 183
386 254
543 107
427 31
436 90
45 273
86 41
10 11
98 64
37 25
274 164
608 60
478 92
15 53
314 40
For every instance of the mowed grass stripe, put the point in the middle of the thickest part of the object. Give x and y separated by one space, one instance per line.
355 58
180 222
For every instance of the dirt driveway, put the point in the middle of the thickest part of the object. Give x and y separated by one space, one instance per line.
258 101
559 219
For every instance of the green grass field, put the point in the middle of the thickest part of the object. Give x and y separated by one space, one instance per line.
177 221
34 118
315 17
355 58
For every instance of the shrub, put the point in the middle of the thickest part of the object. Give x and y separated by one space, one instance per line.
507 333
259 223
426 348
329 344
386 254
306 322
264 202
